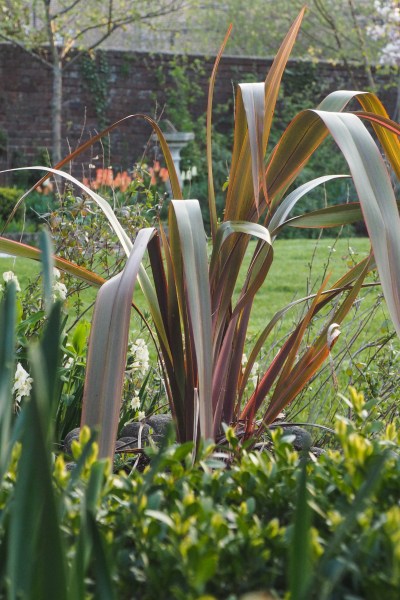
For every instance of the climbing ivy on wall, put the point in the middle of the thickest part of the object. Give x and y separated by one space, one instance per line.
181 77
96 74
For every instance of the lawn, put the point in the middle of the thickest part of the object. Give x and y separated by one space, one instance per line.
298 269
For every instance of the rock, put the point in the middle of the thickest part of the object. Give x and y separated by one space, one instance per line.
126 443
131 430
130 433
72 435
317 451
159 424
118 445
302 439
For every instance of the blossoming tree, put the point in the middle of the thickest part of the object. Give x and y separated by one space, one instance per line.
386 30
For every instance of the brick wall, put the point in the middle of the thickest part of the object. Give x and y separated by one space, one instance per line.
133 84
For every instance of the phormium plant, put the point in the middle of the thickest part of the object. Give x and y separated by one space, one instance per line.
199 325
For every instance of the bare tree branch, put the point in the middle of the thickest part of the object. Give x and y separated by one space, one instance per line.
23 47
65 10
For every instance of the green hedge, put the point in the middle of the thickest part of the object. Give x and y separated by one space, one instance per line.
9 196
36 204
212 530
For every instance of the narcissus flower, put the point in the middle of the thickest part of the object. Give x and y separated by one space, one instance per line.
22 384
10 276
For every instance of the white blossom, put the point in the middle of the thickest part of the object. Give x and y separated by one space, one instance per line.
387 29
141 356
135 402
70 362
141 415
10 276
56 273
254 374
22 383
254 370
59 291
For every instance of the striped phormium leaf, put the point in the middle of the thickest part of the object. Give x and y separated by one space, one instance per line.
199 322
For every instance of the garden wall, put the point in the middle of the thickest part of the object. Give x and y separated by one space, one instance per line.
120 83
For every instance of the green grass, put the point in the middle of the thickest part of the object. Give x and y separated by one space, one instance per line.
24 268
298 269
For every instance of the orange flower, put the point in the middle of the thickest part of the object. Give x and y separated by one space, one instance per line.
104 177
153 180
125 181
163 174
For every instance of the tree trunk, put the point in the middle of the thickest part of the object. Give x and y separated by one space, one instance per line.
56 107
56 96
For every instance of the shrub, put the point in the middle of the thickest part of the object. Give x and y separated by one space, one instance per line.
8 199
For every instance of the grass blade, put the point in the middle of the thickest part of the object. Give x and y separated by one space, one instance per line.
7 370
35 564
300 573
